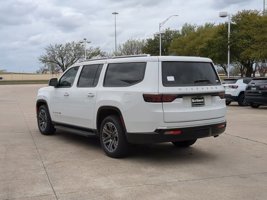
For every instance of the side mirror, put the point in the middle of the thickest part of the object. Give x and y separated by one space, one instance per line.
53 82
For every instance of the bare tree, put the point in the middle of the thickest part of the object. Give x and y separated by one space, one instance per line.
62 55
95 53
262 68
131 47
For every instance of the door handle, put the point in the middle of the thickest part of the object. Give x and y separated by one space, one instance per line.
90 95
66 94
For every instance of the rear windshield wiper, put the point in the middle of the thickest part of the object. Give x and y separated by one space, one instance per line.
202 81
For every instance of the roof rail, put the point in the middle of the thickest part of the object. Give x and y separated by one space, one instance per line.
100 58
131 56
114 57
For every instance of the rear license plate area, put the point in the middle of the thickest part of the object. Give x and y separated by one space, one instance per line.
197 101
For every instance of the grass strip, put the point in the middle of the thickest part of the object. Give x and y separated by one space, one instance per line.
20 82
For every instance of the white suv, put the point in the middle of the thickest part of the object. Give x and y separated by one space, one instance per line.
143 99
235 90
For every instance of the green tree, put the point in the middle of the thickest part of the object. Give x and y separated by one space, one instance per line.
249 39
260 37
216 46
188 29
152 44
194 42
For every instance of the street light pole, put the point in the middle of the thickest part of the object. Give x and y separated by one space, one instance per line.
160 26
225 14
228 47
159 39
84 42
264 7
115 13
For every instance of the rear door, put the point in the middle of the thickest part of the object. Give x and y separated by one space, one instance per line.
83 99
197 88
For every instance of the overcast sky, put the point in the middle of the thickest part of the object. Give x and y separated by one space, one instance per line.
27 26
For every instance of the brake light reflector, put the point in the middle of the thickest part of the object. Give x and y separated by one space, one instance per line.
221 126
159 98
173 132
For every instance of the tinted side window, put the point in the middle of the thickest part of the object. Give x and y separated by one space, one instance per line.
89 75
68 78
246 80
188 74
229 81
258 81
124 74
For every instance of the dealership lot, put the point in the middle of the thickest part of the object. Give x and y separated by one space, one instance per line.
66 166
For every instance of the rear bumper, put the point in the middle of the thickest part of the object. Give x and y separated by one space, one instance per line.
229 97
256 99
185 134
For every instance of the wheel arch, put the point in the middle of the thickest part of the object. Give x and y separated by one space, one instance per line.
41 102
242 92
105 111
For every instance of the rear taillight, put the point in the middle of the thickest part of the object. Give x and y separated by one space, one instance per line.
221 95
263 87
233 86
159 98
221 126
173 132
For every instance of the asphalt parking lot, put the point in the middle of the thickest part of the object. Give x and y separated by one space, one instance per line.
65 166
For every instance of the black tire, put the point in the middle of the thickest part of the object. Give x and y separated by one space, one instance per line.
254 105
241 100
228 102
44 121
112 137
184 144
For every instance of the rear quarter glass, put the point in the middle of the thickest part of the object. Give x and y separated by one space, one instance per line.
259 81
124 74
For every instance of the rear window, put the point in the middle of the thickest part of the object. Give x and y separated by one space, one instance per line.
188 74
246 80
229 81
124 74
258 81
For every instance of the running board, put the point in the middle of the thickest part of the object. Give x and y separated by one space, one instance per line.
75 129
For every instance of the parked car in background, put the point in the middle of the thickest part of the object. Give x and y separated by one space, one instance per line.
235 90
256 92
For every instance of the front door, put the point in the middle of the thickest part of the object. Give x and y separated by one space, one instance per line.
61 97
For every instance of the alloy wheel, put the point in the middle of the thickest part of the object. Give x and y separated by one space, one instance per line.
110 137
42 119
